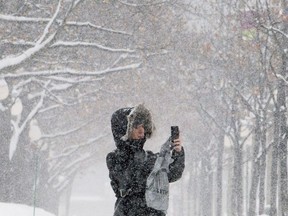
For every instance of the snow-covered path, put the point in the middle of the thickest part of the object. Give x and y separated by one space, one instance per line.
12 209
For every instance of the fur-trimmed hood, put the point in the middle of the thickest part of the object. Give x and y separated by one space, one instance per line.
125 119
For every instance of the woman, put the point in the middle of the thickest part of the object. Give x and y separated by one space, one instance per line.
129 165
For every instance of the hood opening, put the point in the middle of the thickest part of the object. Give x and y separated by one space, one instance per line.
125 119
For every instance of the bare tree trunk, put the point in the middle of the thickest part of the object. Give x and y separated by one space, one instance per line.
255 171
237 199
281 100
6 133
237 189
281 105
262 185
258 170
203 189
219 174
206 186
229 194
193 189
198 189
274 168
209 188
262 169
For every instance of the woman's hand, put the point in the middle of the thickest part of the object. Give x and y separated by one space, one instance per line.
177 145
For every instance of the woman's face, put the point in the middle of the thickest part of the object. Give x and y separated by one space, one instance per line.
138 133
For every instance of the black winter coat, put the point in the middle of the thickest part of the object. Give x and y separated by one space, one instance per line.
129 167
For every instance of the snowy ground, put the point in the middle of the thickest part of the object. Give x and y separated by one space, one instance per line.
11 209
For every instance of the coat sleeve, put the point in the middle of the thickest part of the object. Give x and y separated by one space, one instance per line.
176 168
110 162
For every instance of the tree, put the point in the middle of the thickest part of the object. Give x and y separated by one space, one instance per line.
56 58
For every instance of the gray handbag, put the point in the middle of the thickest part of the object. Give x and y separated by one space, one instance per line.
157 185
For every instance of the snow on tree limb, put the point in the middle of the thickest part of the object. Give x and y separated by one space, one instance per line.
73 166
40 44
89 24
16 60
271 28
64 133
72 72
282 78
19 129
70 80
48 26
73 149
73 44
79 43
12 18
49 108
141 5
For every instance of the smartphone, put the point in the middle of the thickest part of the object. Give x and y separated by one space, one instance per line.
174 133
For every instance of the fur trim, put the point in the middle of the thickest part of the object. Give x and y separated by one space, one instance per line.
139 115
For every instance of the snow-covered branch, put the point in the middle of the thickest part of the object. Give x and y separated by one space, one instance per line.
62 167
12 18
40 44
271 28
16 60
282 78
72 80
86 44
65 132
18 129
48 26
141 5
70 171
73 44
72 72
34 111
